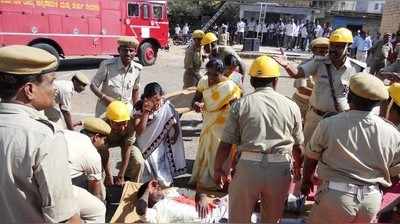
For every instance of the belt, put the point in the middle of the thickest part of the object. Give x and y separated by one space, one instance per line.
270 158
319 112
352 188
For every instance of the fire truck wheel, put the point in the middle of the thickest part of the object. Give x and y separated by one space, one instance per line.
48 48
147 54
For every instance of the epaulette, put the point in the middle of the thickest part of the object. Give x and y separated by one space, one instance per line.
137 65
360 64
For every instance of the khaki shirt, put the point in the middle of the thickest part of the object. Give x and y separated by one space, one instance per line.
321 98
356 147
127 138
34 179
64 93
193 58
264 121
116 81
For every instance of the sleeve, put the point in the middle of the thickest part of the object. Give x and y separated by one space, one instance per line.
53 179
65 100
231 132
300 83
394 168
202 85
92 165
188 61
136 85
101 75
298 127
130 138
309 68
318 142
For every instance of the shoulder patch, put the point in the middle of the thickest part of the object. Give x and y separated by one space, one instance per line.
137 65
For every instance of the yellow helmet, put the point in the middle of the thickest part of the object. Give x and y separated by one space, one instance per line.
264 67
341 35
394 92
118 111
198 34
208 38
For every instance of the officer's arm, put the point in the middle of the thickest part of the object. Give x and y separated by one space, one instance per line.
105 161
125 154
94 187
68 119
135 90
97 81
290 69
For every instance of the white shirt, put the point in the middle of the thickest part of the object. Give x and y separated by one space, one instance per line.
240 26
364 45
265 28
185 30
319 31
304 32
296 30
258 28
290 29
82 156
177 30
252 26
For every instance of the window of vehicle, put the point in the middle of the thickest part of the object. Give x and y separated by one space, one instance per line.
157 11
145 11
133 10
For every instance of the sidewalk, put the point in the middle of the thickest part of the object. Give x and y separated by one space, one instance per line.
296 54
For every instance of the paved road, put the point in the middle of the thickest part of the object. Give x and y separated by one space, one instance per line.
167 71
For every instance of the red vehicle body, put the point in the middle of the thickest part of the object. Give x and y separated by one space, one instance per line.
85 27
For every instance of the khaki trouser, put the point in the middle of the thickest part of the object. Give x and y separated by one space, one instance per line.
136 165
332 206
91 209
190 78
311 122
258 180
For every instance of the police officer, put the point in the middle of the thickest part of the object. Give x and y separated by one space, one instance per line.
211 47
64 92
34 178
122 135
356 152
193 61
119 77
331 76
319 48
267 128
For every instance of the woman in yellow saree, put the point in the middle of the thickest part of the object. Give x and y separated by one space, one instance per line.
215 93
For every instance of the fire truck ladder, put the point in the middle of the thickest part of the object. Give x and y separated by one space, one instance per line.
215 16
261 19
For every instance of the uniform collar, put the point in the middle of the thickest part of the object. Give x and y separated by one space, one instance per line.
121 65
13 108
347 63
264 89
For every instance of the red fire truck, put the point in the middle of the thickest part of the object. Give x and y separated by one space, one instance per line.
85 27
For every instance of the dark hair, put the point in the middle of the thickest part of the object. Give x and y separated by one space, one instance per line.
216 64
10 83
231 60
142 189
152 89
261 82
362 103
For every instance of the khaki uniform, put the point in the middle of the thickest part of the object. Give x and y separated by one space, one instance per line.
116 81
223 39
136 165
300 99
192 65
380 52
64 93
35 184
265 125
368 150
321 99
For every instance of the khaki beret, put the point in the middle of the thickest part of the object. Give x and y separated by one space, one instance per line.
320 42
81 77
369 87
25 60
128 41
96 125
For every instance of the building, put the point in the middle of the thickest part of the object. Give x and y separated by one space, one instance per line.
391 14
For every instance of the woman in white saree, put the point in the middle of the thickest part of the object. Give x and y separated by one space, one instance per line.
159 136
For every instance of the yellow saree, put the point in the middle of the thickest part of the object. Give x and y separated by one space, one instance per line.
216 100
